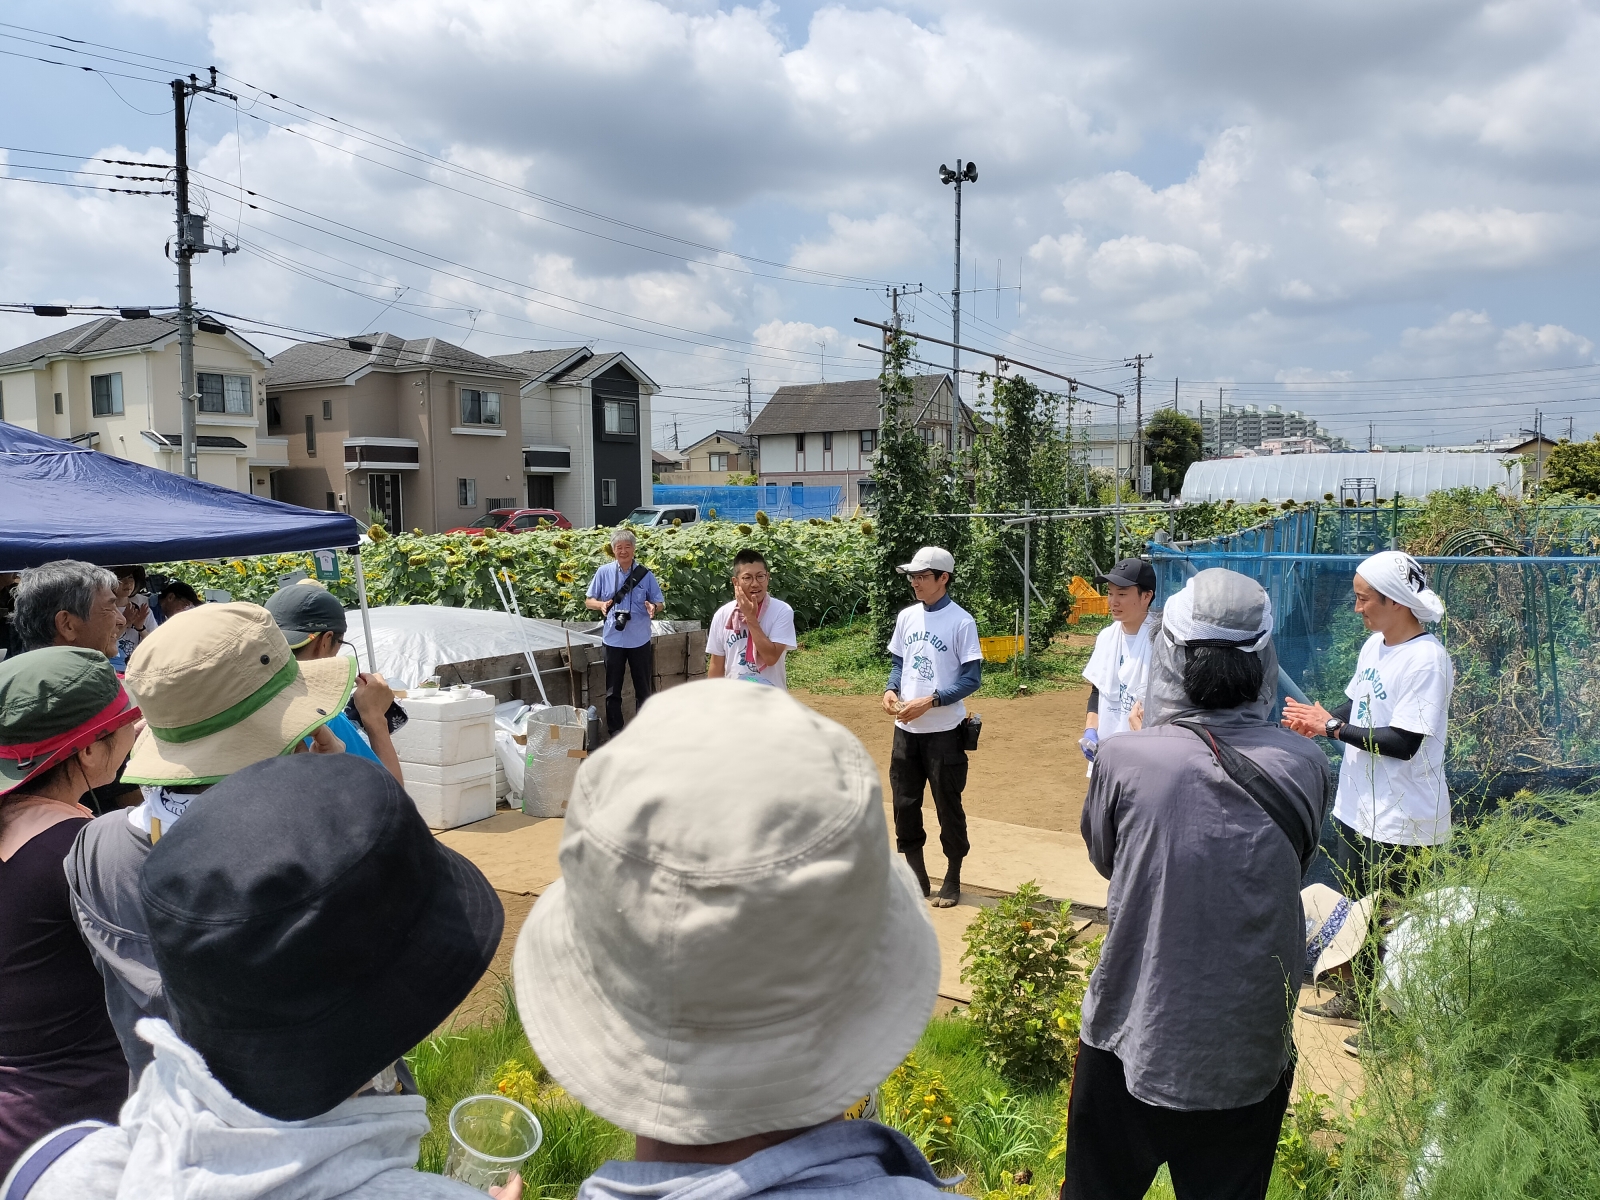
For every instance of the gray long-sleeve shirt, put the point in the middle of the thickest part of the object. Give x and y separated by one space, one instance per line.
1197 979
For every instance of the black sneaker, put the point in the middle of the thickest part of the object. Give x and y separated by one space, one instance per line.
1358 1044
1340 1009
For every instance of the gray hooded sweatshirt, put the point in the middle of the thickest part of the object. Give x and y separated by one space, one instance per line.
1199 974
861 1160
182 1136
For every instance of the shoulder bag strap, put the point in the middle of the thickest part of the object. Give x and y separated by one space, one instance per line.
31 1167
1263 789
630 582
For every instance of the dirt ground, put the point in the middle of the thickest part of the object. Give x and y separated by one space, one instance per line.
1027 769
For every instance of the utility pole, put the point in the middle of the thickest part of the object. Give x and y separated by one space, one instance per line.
674 433
1174 393
964 173
1538 434
1219 422
1369 437
191 241
747 414
1138 418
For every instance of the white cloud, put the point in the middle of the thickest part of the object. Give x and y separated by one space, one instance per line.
1300 193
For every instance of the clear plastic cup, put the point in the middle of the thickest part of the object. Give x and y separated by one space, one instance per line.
490 1137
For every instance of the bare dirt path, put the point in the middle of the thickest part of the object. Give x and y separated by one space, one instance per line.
1027 769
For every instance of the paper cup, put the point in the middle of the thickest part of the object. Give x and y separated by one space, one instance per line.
490 1137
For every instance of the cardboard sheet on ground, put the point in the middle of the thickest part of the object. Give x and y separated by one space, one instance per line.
411 641
515 852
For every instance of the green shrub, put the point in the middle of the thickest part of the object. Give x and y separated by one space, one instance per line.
1028 980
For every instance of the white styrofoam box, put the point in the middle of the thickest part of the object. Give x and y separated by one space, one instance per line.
448 796
445 729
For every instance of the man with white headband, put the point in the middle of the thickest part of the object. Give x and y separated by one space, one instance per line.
1392 794
1204 822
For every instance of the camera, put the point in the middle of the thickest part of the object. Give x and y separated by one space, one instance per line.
620 621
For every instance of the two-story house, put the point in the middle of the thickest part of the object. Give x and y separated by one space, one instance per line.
826 434
415 434
113 385
586 432
716 456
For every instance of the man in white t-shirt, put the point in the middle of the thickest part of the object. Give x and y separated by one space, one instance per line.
937 664
1119 669
1392 795
752 633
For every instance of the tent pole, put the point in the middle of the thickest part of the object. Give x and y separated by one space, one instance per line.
366 617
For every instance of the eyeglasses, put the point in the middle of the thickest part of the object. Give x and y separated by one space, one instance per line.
920 576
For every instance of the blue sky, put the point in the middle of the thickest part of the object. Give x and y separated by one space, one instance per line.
1296 204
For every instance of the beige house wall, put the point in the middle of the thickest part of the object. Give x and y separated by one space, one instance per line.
422 406
150 400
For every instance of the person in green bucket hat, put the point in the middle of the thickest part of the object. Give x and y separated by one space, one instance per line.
66 725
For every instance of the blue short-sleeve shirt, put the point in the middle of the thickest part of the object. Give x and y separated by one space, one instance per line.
604 585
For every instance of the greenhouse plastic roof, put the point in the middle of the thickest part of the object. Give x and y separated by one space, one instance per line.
1305 477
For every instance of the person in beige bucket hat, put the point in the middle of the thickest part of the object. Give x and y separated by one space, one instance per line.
732 956
221 690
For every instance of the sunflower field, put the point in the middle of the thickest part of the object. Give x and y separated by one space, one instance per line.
821 567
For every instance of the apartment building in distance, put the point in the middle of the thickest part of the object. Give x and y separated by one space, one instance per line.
113 384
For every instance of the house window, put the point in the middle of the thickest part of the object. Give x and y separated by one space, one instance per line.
719 462
467 493
333 505
827 452
869 440
225 394
608 491
105 394
58 404
772 493
799 452
622 416
311 436
327 410
480 408
274 414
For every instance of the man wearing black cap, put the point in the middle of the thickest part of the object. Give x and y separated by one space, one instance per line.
310 931
313 621
1119 668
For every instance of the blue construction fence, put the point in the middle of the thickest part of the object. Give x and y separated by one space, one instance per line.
1522 627
781 502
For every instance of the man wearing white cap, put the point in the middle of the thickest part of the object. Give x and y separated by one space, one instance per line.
938 663
1392 794
732 957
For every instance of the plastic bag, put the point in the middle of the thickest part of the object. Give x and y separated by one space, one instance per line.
555 738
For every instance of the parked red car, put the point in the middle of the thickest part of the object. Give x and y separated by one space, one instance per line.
514 520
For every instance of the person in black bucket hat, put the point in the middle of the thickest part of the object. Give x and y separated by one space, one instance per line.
310 931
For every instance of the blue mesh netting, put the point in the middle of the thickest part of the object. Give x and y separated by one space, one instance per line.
1523 629
779 501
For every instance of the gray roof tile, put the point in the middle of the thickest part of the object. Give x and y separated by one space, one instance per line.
536 364
333 361
824 407
103 333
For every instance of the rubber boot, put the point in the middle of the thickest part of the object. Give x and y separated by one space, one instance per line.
919 868
950 894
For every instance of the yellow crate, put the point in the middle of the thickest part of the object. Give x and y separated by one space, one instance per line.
1086 602
1000 649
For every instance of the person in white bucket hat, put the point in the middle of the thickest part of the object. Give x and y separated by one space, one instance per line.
732 957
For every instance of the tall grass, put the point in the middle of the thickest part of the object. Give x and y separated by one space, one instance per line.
1484 1080
495 1056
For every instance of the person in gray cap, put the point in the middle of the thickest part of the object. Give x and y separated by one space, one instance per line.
313 622
1204 822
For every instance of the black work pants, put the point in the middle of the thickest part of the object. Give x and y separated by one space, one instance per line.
1116 1143
620 659
939 762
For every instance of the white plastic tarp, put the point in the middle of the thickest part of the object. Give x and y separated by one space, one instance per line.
411 641
1307 477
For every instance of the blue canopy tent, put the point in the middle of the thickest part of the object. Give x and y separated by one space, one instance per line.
60 500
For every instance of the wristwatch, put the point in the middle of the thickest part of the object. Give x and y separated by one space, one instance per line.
1332 728
936 700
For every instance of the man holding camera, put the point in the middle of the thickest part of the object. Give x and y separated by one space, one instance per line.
628 596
